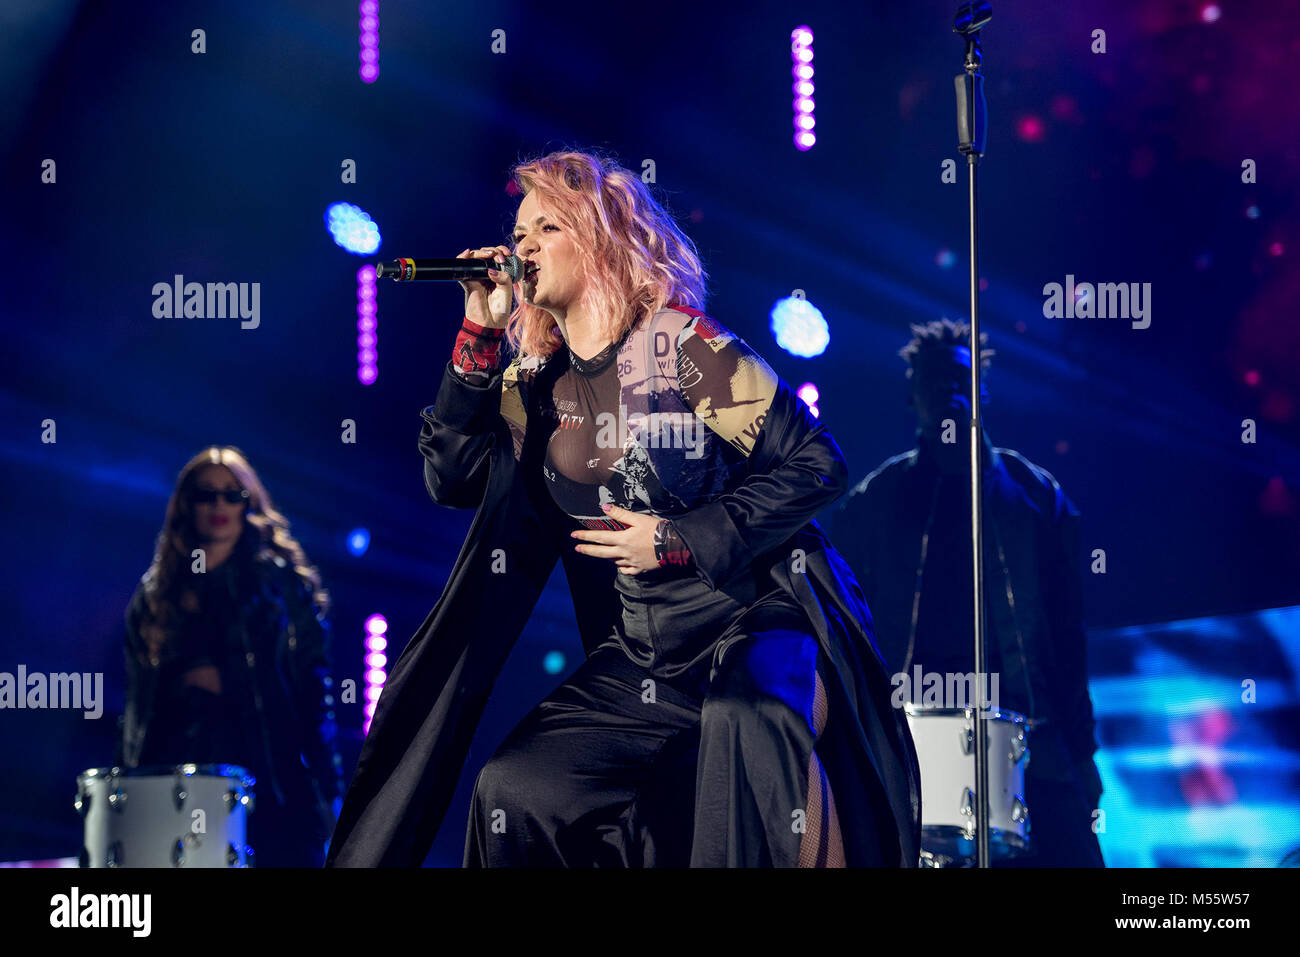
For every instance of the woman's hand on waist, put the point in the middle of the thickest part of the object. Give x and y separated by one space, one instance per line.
633 548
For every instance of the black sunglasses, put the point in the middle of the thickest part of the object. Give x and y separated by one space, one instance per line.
207 496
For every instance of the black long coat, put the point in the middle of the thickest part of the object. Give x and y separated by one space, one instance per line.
479 453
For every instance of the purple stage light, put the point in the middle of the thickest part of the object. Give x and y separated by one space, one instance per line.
801 53
376 629
367 337
368 39
808 392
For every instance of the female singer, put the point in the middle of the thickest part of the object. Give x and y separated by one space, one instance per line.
732 709
227 657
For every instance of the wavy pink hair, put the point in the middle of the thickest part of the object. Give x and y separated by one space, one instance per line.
634 257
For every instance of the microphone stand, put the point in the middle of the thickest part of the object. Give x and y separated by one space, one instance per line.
971 129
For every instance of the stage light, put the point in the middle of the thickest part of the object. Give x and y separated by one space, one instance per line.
799 327
358 541
368 40
367 337
809 393
801 53
352 228
376 627
553 663
1030 129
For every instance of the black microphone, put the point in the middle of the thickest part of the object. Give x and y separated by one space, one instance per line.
416 270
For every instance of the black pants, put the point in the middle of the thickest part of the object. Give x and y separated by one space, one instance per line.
687 739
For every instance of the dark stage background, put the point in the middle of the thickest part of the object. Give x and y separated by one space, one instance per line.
1122 166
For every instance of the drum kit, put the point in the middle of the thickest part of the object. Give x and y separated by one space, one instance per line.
185 815
945 746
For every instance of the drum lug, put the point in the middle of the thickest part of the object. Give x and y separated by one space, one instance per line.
1019 746
232 856
968 740
968 810
178 854
82 802
114 856
237 797
248 799
117 799
180 795
1019 811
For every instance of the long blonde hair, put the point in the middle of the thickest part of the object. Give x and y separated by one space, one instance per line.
266 532
633 256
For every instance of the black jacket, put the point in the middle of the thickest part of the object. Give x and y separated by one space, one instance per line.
277 707
479 454
1033 591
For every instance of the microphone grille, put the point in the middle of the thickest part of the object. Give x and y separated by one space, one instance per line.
514 267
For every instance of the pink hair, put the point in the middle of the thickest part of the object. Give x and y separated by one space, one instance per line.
634 258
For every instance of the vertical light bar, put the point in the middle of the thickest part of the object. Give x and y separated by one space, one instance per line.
369 40
801 52
376 665
367 334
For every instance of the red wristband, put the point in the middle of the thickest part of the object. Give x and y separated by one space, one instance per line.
477 348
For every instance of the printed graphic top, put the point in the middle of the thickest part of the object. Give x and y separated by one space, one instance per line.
659 422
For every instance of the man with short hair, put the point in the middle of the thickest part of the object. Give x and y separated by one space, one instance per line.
906 532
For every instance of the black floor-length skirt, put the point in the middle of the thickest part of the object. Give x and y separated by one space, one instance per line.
700 734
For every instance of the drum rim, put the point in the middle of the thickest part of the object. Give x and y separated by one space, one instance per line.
187 769
996 714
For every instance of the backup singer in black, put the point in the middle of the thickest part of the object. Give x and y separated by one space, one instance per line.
227 660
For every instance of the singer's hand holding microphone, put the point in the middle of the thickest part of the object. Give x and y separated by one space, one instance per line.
488 301
486 274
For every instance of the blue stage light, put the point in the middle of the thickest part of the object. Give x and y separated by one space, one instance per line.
352 228
358 541
553 663
799 327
